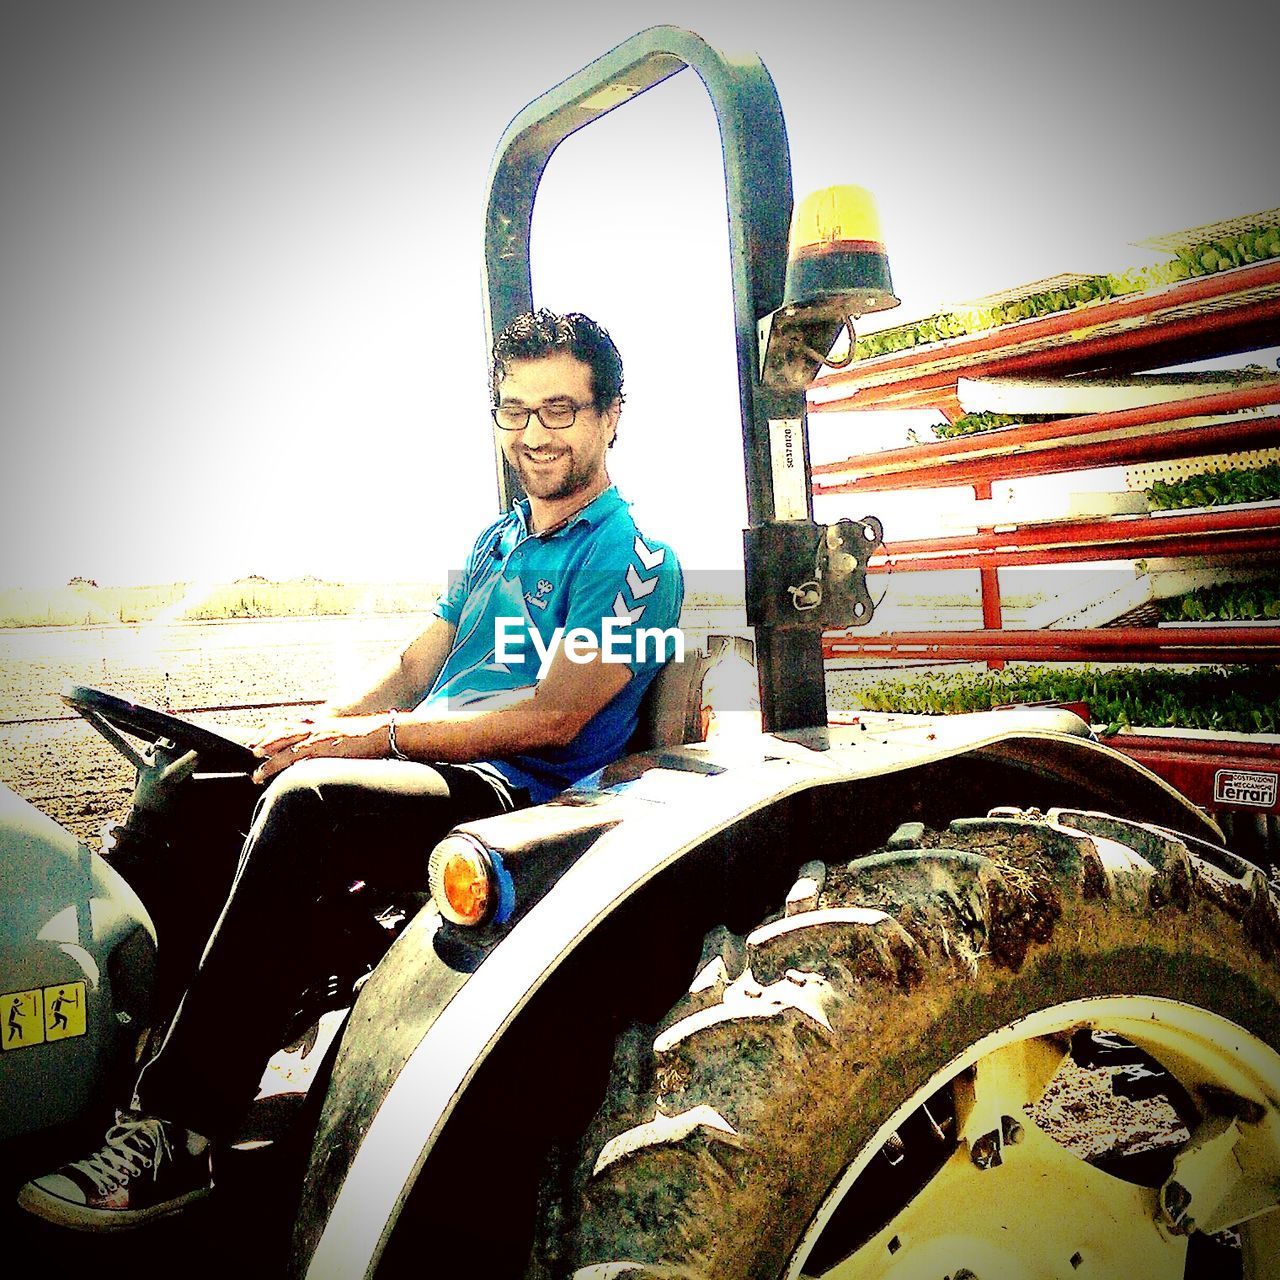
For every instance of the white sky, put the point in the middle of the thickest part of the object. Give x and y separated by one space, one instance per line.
240 244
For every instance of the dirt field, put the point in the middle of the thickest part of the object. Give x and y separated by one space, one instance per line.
52 758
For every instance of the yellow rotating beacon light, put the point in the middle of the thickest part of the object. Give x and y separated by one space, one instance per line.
837 270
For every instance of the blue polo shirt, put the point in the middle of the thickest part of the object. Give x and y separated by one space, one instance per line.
596 576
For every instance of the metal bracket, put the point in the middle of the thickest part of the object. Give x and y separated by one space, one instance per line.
795 343
139 760
1216 1182
169 769
989 1116
822 569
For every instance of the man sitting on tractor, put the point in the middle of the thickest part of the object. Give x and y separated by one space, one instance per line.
363 789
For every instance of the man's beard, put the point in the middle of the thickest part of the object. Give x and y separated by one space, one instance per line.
550 488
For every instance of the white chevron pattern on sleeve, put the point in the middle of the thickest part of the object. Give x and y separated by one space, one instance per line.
650 559
638 586
620 609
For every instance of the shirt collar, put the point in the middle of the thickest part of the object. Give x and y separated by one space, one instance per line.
593 513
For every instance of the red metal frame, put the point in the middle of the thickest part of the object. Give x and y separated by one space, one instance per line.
1144 335
1225 644
1193 764
1102 439
1236 310
1235 530
1070 444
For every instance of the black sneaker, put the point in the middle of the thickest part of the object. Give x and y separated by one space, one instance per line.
144 1170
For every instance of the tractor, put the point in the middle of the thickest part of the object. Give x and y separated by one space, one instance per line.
788 1003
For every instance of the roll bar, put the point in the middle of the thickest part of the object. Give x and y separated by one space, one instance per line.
757 171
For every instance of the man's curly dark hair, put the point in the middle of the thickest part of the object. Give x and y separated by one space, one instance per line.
543 333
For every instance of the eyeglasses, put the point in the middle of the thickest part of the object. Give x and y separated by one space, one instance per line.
557 416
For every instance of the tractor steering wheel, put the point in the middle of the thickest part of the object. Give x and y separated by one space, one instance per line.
217 754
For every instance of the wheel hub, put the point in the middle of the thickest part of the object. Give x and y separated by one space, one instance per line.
1011 1202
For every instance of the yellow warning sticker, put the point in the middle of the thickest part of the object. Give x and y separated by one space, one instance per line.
21 1019
42 1014
64 1011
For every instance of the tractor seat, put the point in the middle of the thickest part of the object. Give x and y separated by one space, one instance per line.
671 711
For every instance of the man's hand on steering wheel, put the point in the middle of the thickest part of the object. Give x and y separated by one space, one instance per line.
350 737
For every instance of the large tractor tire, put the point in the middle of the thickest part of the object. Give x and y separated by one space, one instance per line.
1027 1046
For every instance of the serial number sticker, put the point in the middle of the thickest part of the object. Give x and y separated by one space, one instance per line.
42 1014
1237 786
786 457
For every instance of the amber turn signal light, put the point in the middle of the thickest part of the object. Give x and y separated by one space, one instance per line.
462 880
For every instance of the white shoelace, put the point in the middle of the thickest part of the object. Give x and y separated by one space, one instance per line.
132 1145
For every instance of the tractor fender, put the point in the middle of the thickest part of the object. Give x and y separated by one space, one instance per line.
77 966
436 1008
